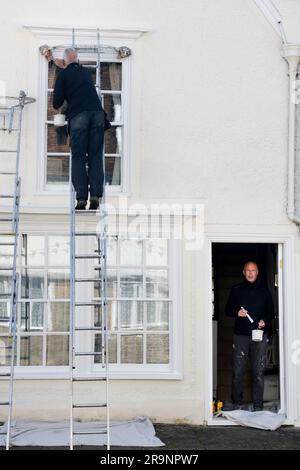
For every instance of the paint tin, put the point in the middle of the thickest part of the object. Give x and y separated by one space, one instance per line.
257 335
59 120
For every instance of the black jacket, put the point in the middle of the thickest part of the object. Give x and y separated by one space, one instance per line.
257 300
75 86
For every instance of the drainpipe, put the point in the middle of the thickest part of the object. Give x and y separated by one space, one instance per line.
291 53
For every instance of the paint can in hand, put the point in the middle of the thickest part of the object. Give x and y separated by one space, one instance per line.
257 335
59 120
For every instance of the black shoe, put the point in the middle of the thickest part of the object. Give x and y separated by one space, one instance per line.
94 203
231 407
80 205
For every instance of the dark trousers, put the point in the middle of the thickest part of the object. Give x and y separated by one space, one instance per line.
86 140
244 348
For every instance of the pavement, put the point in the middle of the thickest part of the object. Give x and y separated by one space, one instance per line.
187 437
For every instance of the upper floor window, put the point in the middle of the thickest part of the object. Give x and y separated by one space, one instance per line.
114 92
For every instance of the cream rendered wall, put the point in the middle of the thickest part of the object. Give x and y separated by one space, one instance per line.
210 115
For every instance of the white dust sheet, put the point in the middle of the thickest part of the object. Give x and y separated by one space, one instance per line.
257 419
138 432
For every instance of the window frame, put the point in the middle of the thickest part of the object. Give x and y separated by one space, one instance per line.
45 188
87 368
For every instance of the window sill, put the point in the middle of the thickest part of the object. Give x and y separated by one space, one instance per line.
45 373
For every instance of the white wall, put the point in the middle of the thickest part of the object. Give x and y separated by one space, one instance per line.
210 123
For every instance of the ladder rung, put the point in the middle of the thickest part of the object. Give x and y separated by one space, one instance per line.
6 268
86 304
6 219
88 353
87 279
87 234
5 375
89 66
88 256
78 433
89 328
6 196
7 173
7 244
4 403
89 405
8 151
88 379
4 319
7 234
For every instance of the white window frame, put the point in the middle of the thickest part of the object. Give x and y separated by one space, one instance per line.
58 36
172 371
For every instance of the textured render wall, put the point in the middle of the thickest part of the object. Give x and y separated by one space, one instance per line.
209 101
210 113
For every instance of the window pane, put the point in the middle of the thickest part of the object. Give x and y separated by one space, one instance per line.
6 252
57 350
131 283
157 349
111 284
157 283
112 348
58 316
112 315
131 252
58 247
112 244
5 354
4 315
111 76
31 353
53 72
51 111
57 141
32 316
5 286
156 252
112 106
32 284
113 171
113 140
132 349
58 169
131 315
58 284
34 247
157 315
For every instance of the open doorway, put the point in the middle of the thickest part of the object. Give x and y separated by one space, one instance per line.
227 264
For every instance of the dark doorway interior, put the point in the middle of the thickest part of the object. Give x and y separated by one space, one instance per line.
227 261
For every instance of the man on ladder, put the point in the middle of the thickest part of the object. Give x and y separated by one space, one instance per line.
86 124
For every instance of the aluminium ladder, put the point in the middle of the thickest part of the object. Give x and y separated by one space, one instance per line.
100 254
11 112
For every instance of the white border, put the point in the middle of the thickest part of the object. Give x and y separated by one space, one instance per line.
288 375
55 36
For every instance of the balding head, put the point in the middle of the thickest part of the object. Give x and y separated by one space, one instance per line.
70 55
250 271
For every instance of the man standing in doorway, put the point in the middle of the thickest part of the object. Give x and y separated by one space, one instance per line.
87 123
256 300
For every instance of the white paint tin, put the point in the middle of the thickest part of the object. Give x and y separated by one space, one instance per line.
257 335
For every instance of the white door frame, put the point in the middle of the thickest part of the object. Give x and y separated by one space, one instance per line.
287 333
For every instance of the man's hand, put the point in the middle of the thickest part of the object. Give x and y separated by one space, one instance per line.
60 63
261 324
242 313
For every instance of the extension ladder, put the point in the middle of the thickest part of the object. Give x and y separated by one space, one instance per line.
100 255
11 112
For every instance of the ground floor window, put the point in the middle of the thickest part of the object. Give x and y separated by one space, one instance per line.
140 302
